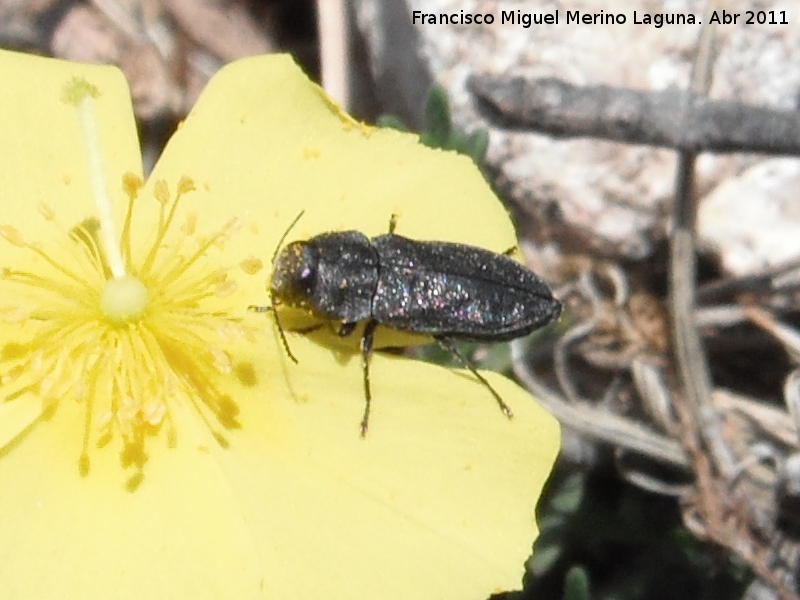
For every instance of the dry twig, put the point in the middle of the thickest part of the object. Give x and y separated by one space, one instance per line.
556 107
725 442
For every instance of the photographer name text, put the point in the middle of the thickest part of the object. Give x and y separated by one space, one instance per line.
577 17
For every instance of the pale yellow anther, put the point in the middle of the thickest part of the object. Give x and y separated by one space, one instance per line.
228 230
46 212
225 288
190 225
131 184
161 191
12 235
37 363
153 412
46 384
221 360
251 265
186 185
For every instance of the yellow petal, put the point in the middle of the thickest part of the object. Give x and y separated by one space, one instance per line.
439 496
438 499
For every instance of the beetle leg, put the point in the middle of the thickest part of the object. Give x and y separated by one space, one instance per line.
347 328
366 351
450 347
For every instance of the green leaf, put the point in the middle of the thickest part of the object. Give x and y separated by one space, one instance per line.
391 122
544 557
570 494
475 145
438 127
495 357
551 521
576 584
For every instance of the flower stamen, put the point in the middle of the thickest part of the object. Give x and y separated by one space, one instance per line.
130 347
128 332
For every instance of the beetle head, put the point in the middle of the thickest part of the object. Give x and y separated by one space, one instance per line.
282 290
294 274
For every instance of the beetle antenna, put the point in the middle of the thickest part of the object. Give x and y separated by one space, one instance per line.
274 312
273 306
285 233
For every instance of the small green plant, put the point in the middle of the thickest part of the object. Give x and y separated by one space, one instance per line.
576 584
439 131
603 539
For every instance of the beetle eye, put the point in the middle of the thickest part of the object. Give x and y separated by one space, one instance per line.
305 275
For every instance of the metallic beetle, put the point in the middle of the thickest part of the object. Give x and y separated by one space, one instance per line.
448 291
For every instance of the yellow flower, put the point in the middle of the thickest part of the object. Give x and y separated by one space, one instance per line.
155 441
